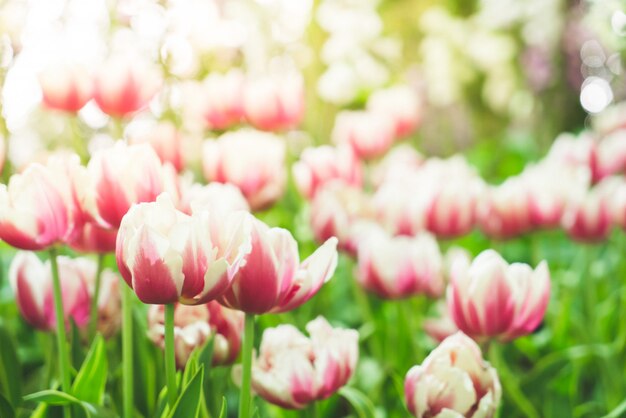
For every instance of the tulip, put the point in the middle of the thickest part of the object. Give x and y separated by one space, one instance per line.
125 85
276 102
399 212
166 141
453 381
194 325
292 370
492 299
253 161
317 166
272 278
590 216
441 327
121 176
399 267
505 210
109 318
39 207
215 197
611 154
93 238
369 134
65 86
402 161
166 256
575 151
335 212
223 99
401 104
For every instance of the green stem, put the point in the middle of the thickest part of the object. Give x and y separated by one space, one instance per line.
509 383
246 359
170 359
127 350
313 410
93 314
64 359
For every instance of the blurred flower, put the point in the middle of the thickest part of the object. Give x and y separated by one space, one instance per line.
194 325
442 326
220 198
575 151
319 165
335 210
31 280
66 86
93 238
611 119
505 210
369 134
275 102
401 104
399 267
272 279
399 163
492 299
124 85
453 381
39 207
166 141
611 154
223 99
121 176
589 217
252 160
292 370
166 256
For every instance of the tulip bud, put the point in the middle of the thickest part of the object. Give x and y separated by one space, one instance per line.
65 86
194 325
492 299
292 370
505 210
166 256
253 161
272 278
317 166
274 103
166 142
223 99
589 217
124 85
401 104
453 381
39 207
369 134
398 267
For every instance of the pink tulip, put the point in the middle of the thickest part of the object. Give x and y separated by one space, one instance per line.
194 325
66 86
31 280
369 134
252 160
492 299
166 256
166 142
400 267
401 104
121 176
274 103
618 204
223 99
575 151
272 278
505 210
125 85
589 217
93 238
611 154
319 165
399 212
215 197
453 381
292 370
40 207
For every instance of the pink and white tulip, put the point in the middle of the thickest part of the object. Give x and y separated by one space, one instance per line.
93 238
574 151
401 104
166 141
273 279
453 382
492 299
399 163
66 86
222 105
222 198
292 370
590 216
194 325
166 256
611 154
253 161
505 210
400 267
125 85
369 134
275 102
442 326
317 166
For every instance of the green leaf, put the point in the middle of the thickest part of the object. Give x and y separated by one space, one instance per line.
224 409
52 397
10 370
6 410
90 382
76 348
188 403
361 404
